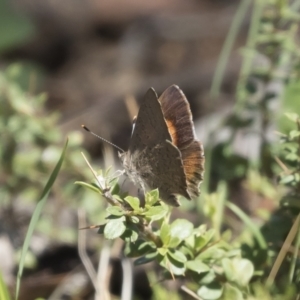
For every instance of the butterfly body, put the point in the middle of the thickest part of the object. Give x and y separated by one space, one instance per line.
163 151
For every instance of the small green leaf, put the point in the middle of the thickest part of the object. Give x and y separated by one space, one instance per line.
165 233
177 255
197 266
208 278
292 116
4 294
211 253
238 270
152 197
211 291
231 292
294 134
174 242
172 265
229 269
115 210
130 235
202 240
114 228
145 259
134 202
181 229
118 198
89 186
135 219
138 248
162 251
115 190
245 269
156 212
287 179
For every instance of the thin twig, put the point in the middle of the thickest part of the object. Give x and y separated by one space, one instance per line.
103 277
82 251
282 165
191 293
284 249
127 283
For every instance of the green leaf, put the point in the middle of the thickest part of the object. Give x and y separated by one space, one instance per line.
162 251
238 270
152 197
4 294
134 202
134 219
211 253
89 186
131 233
172 265
208 278
156 212
114 228
202 240
115 210
245 269
115 190
145 259
177 255
231 292
36 215
197 266
211 291
165 234
181 229
294 134
229 269
138 248
292 116
287 179
174 242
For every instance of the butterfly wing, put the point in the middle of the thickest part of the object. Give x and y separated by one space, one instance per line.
178 117
154 159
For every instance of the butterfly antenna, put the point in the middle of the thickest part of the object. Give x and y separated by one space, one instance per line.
101 138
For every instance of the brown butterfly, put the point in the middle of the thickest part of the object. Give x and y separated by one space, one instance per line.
164 152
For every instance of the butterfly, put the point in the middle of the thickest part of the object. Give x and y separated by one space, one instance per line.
164 152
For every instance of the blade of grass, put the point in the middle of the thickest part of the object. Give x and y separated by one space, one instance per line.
250 225
36 215
282 253
296 252
250 47
222 195
227 48
205 184
4 295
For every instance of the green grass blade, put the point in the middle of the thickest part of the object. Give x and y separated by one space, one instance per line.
4 294
296 251
250 225
248 58
227 48
36 216
222 195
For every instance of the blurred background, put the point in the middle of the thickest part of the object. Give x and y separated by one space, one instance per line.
89 57
67 63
